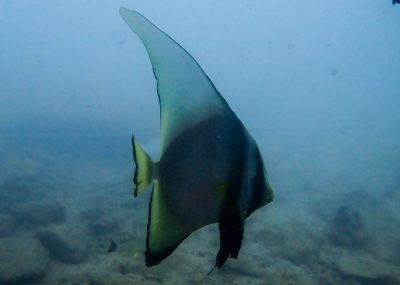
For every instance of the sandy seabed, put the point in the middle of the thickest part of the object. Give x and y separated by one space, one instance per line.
59 214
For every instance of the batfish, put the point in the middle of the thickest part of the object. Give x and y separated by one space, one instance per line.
210 169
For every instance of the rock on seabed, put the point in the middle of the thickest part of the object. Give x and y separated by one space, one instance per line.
65 244
22 260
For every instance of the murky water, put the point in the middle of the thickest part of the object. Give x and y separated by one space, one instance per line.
316 84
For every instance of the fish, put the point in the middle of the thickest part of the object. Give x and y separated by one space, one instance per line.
210 168
112 247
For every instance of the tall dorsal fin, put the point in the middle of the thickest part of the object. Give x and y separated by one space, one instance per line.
186 94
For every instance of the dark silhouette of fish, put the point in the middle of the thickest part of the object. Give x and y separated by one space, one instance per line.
112 247
395 2
210 169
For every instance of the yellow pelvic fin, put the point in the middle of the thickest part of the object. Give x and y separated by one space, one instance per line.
145 168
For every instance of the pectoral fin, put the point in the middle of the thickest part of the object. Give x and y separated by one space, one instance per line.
231 229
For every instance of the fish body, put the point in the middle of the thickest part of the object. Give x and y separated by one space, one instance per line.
210 169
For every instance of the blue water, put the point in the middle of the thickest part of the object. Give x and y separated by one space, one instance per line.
316 83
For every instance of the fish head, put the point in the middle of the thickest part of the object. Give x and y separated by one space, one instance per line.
256 190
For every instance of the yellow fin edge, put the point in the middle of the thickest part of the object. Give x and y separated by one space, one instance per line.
144 168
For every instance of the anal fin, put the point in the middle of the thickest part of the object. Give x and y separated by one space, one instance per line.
165 231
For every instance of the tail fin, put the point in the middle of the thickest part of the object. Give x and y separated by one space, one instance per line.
144 172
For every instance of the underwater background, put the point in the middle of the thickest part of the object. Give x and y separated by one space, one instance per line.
315 82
